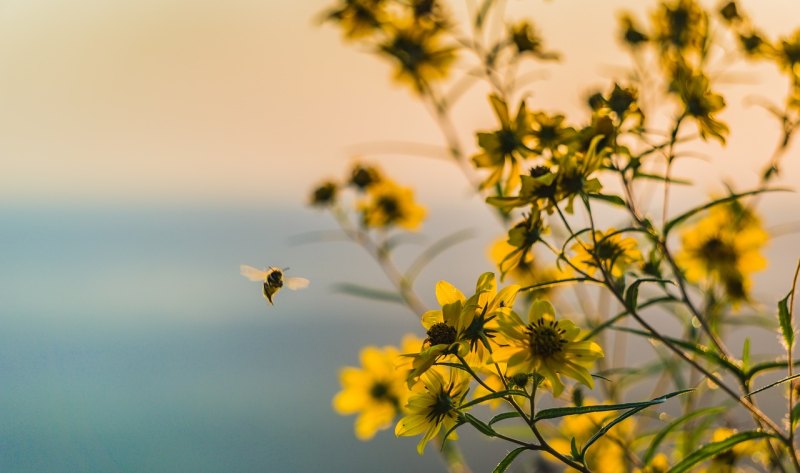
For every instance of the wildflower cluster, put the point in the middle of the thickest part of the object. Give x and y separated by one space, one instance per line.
614 274
381 203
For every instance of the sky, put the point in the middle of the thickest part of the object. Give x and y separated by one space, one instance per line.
245 101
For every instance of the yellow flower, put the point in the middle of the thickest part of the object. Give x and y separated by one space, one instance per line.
724 248
504 148
433 405
615 252
362 176
376 391
528 41
324 194
417 51
700 102
546 346
462 325
631 34
358 18
788 52
387 204
607 455
576 170
549 131
681 27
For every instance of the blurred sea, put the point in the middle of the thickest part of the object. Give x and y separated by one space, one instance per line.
130 343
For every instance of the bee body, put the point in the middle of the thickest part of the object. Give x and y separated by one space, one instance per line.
272 280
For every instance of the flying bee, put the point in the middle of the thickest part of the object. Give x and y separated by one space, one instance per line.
272 279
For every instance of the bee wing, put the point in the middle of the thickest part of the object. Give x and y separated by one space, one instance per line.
251 273
296 283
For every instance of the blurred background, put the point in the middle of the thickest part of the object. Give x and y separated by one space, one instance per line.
148 148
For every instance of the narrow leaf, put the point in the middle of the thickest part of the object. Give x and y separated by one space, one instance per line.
506 462
480 425
780 381
609 198
715 448
632 294
494 395
368 292
785 320
656 177
436 249
662 434
503 416
701 350
680 218
624 416
557 412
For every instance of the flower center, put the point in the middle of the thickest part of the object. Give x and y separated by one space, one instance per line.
389 207
607 250
379 391
441 334
545 338
508 141
718 252
442 405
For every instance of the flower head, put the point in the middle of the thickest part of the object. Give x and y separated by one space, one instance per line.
614 252
700 102
388 204
416 48
547 347
358 18
433 405
377 391
325 194
527 40
463 325
724 249
503 150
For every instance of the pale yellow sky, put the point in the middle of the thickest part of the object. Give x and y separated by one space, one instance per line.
251 101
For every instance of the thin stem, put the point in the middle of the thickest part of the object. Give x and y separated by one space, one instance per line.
384 261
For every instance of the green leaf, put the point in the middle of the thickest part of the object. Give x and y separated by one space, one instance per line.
697 349
625 415
785 319
557 412
479 424
780 381
573 448
715 448
435 250
680 218
795 414
609 198
503 416
494 395
746 354
554 283
768 365
368 292
506 462
632 294
662 434
656 177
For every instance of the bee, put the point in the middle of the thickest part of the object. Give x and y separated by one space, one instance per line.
272 279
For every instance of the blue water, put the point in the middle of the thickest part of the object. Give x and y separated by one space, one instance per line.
131 344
